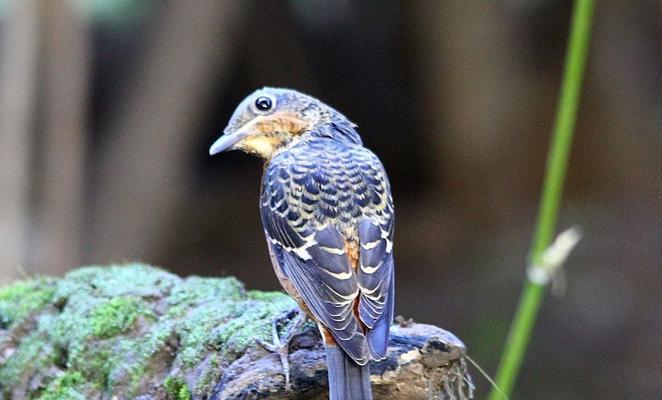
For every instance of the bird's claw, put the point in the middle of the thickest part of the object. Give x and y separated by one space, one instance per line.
281 347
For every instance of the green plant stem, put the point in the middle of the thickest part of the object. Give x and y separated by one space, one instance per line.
557 165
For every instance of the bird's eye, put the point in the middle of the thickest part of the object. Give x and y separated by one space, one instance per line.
264 103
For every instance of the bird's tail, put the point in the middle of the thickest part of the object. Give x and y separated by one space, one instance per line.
347 379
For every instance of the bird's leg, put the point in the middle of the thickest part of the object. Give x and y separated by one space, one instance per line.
281 346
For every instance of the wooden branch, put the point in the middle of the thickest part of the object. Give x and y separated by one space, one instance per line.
137 332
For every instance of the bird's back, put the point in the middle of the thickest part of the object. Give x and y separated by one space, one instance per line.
323 181
328 216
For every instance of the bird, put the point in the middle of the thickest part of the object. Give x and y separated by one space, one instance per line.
328 217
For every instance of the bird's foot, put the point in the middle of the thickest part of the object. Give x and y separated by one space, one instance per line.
281 346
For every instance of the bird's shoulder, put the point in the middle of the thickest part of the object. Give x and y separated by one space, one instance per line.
324 181
325 157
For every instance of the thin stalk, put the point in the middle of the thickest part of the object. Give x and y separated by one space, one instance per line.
557 165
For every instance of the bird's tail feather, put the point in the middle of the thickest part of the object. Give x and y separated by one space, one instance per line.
347 379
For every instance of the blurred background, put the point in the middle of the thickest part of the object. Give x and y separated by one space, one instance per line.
108 107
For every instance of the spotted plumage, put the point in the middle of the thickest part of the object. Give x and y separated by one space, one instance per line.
321 199
328 217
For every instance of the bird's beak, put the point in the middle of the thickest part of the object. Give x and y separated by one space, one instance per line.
226 142
229 139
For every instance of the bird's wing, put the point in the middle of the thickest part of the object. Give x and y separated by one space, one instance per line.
303 204
317 266
376 282
375 275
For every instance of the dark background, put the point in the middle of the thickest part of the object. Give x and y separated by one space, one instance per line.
108 109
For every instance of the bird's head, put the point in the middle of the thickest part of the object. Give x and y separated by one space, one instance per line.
271 118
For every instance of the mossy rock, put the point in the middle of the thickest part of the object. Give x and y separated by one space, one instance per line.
138 332
122 332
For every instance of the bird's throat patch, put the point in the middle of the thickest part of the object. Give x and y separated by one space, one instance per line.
262 145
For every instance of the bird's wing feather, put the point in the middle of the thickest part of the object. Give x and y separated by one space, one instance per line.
322 275
376 282
375 275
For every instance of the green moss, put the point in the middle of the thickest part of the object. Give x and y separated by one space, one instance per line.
137 280
20 299
184 393
196 291
252 322
33 354
69 386
209 375
177 389
194 330
115 316
118 330
264 296
202 304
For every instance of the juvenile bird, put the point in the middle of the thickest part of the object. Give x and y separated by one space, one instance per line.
328 216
